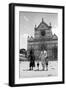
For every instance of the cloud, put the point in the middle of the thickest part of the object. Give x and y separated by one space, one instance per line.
55 31
25 35
23 41
26 19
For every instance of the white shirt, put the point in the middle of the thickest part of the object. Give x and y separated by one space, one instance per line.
43 55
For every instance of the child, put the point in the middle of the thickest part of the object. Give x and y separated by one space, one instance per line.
46 61
38 65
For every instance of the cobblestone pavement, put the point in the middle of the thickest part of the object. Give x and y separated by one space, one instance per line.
25 72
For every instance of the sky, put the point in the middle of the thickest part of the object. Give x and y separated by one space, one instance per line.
28 20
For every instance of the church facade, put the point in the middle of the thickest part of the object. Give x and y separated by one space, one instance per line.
43 40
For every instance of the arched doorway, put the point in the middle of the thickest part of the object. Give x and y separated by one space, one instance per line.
55 53
43 47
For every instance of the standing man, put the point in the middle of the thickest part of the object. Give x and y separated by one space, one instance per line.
31 59
43 56
46 60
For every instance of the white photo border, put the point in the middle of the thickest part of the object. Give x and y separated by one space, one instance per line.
38 79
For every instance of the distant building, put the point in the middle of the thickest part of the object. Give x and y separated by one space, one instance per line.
23 51
43 40
22 55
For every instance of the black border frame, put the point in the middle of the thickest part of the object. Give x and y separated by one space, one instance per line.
12 43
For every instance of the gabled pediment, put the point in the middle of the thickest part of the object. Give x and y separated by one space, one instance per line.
55 36
43 25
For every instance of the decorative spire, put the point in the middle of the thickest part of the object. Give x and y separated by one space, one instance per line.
50 23
28 36
42 20
35 25
31 37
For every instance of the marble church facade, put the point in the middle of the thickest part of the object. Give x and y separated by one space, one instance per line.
43 40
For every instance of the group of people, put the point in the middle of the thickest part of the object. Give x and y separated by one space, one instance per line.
43 57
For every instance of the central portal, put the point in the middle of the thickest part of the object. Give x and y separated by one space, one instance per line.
43 47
